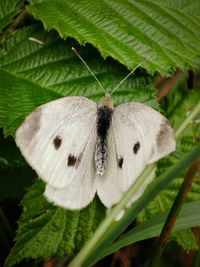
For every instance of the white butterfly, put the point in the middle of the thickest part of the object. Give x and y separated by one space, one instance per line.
79 148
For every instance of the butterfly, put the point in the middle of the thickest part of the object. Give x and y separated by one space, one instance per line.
80 148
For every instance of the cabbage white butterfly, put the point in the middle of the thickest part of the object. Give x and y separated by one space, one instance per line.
79 148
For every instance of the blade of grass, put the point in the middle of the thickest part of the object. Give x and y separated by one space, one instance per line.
188 217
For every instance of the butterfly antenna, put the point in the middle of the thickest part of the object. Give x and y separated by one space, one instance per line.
88 68
146 58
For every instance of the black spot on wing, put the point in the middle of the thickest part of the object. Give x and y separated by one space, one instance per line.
57 142
120 162
136 147
71 161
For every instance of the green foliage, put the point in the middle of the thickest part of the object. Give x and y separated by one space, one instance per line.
126 30
178 104
45 231
8 10
32 74
185 238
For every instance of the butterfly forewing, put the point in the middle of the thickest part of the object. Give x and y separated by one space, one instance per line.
58 140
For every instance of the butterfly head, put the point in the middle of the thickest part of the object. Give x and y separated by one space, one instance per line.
107 101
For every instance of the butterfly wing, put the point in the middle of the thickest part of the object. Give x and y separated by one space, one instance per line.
78 194
138 135
58 141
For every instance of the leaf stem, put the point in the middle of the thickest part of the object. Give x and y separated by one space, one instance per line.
173 214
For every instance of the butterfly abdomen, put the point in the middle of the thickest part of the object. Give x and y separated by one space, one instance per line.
104 115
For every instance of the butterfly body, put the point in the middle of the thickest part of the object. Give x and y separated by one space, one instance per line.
104 116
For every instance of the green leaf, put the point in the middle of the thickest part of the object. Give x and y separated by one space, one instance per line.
8 10
32 74
45 231
178 105
186 239
190 6
127 30
188 217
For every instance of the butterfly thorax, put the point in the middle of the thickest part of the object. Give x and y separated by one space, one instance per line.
107 101
104 115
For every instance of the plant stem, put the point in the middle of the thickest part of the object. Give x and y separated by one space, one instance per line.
15 23
173 214
169 82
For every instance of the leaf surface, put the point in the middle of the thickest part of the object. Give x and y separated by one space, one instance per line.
128 31
45 231
32 74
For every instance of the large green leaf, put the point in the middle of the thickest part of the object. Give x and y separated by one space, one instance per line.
9 9
45 231
32 74
127 30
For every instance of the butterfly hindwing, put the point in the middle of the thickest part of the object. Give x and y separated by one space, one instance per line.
57 139
138 135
